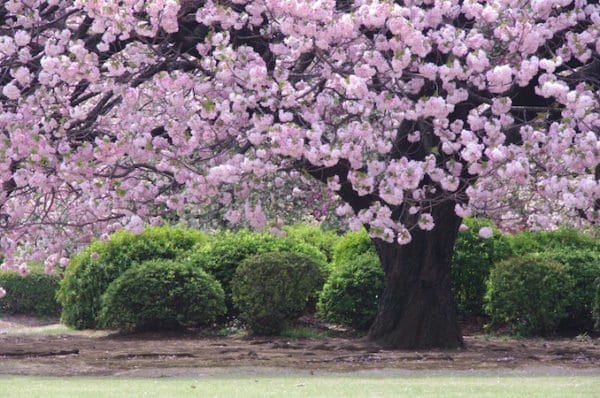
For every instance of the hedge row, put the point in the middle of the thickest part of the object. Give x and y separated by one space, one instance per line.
226 251
32 294
138 282
91 272
273 288
536 283
135 282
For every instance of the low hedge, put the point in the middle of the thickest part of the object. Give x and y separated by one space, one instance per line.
323 240
227 250
351 245
351 293
472 261
273 288
561 239
583 266
33 294
530 293
161 295
596 305
90 272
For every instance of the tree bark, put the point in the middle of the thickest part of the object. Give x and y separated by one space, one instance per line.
417 309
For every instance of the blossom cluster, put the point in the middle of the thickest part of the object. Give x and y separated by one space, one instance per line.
120 112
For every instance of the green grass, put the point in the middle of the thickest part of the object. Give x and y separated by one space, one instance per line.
303 332
305 386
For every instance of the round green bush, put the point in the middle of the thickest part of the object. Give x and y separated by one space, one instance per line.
560 239
161 295
583 266
529 293
91 271
351 293
596 305
472 260
33 294
226 251
272 288
351 245
315 236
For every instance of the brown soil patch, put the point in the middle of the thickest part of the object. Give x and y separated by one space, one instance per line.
89 354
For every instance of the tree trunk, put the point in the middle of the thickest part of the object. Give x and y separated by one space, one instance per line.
417 309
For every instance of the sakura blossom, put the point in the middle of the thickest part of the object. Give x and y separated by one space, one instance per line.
402 116
486 232
426 222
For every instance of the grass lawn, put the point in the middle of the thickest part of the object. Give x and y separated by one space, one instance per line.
306 386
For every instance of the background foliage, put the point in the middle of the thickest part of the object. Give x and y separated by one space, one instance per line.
227 250
472 261
32 294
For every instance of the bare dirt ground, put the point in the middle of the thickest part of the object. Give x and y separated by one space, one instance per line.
19 321
181 354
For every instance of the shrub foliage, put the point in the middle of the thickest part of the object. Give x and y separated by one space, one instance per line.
530 293
315 236
90 272
351 245
272 288
351 293
161 295
227 251
33 294
561 239
583 267
596 305
472 261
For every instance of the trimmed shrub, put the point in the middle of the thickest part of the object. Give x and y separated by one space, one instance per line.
314 236
273 288
351 293
161 295
33 294
561 239
596 306
583 266
472 260
227 250
351 245
529 293
91 271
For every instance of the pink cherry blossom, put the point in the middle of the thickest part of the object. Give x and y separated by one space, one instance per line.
486 232
404 237
136 225
378 113
22 38
11 91
499 78
426 222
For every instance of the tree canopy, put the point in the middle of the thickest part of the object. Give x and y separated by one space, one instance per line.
117 112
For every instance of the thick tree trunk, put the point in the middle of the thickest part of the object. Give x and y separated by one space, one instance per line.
417 309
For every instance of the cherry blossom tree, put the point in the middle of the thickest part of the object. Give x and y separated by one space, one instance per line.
413 113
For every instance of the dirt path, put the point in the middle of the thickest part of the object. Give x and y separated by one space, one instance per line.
8 322
187 354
